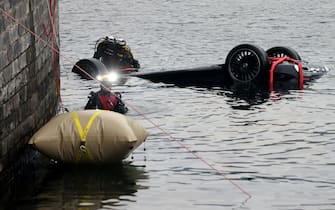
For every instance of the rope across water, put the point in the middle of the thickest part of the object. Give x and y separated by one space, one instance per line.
56 51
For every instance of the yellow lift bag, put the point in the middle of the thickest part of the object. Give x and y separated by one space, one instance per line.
89 136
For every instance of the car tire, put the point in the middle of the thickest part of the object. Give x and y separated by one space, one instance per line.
281 51
91 66
246 63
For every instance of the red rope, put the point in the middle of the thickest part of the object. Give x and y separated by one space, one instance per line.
274 64
51 34
131 106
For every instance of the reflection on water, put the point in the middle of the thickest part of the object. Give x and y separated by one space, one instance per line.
243 96
59 186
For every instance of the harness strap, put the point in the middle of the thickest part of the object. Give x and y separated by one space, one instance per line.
83 133
276 61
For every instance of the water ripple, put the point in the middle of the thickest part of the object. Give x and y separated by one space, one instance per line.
278 147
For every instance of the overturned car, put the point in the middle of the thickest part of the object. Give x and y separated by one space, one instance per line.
277 68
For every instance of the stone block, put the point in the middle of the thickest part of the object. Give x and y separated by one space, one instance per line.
16 102
21 31
32 87
6 75
30 71
20 80
15 67
34 101
38 48
28 23
25 41
13 33
3 60
42 76
10 54
23 94
23 113
10 122
6 110
28 125
2 23
3 95
4 40
17 48
39 65
30 54
8 22
38 13
11 89
22 61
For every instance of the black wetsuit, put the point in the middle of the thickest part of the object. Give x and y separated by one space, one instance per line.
115 54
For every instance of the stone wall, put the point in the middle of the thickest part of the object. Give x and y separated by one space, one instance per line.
28 69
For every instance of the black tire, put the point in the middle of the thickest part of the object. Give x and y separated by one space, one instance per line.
281 51
91 66
246 63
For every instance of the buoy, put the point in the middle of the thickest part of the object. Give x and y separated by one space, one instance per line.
89 136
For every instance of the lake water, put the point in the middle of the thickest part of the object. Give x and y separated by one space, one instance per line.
280 148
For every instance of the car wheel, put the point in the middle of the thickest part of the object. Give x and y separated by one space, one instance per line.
91 66
246 63
280 51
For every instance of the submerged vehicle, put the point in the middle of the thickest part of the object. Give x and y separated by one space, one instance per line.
110 55
277 68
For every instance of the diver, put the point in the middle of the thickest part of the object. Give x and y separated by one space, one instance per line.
115 53
106 100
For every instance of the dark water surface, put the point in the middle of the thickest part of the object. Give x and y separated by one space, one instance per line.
278 148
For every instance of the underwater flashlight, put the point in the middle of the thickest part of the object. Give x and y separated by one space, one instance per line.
110 77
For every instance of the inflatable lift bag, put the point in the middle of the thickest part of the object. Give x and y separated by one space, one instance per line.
89 136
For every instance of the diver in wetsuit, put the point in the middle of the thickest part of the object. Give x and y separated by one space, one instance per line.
115 52
106 100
